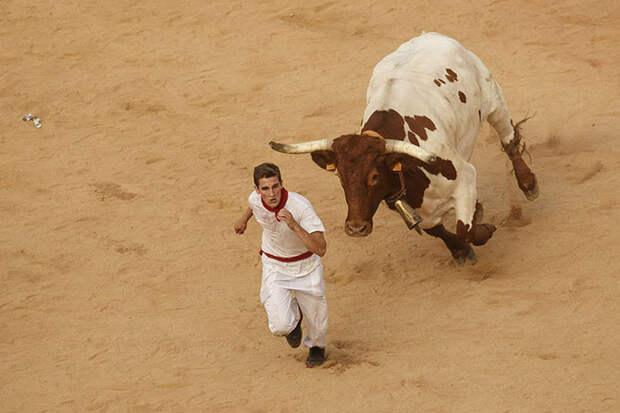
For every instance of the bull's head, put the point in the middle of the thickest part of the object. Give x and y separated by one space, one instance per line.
365 166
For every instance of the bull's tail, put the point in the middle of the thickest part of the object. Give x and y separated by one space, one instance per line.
516 146
514 149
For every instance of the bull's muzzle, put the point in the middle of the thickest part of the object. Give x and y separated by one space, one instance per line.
357 228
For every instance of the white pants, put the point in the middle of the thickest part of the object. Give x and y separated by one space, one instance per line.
304 279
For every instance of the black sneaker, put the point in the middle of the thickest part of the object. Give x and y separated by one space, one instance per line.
294 337
316 357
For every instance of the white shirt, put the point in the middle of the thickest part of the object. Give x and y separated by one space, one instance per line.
278 238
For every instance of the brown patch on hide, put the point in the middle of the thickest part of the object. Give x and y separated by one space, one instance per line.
438 83
412 138
462 97
451 75
388 124
416 183
441 166
419 124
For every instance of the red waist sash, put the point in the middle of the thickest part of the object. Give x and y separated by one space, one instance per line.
288 259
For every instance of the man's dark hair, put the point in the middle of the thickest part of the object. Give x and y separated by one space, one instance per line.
266 170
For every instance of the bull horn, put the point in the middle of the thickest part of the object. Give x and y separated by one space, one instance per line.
392 145
304 147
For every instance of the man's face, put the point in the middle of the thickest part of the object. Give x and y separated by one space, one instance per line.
270 190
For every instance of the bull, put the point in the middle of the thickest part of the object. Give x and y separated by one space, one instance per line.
425 104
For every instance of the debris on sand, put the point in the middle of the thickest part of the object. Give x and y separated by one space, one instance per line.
35 120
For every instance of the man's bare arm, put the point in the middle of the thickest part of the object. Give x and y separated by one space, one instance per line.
315 241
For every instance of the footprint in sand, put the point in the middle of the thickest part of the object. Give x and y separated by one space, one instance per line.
112 190
515 217
590 173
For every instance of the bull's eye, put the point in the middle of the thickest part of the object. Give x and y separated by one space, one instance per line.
373 179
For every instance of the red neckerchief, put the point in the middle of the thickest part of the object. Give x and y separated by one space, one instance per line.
283 199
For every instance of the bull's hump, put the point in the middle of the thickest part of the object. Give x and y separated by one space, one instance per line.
418 124
392 125
387 123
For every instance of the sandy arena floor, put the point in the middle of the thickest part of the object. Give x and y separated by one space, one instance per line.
124 287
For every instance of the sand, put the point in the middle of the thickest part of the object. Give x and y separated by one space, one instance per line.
125 288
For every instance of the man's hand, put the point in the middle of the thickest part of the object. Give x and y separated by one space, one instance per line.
242 223
240 226
287 217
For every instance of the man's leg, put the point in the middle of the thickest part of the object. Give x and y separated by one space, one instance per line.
282 309
314 309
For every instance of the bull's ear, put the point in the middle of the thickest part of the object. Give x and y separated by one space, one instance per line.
394 161
325 159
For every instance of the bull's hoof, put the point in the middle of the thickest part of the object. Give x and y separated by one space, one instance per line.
471 257
531 193
460 256
482 233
